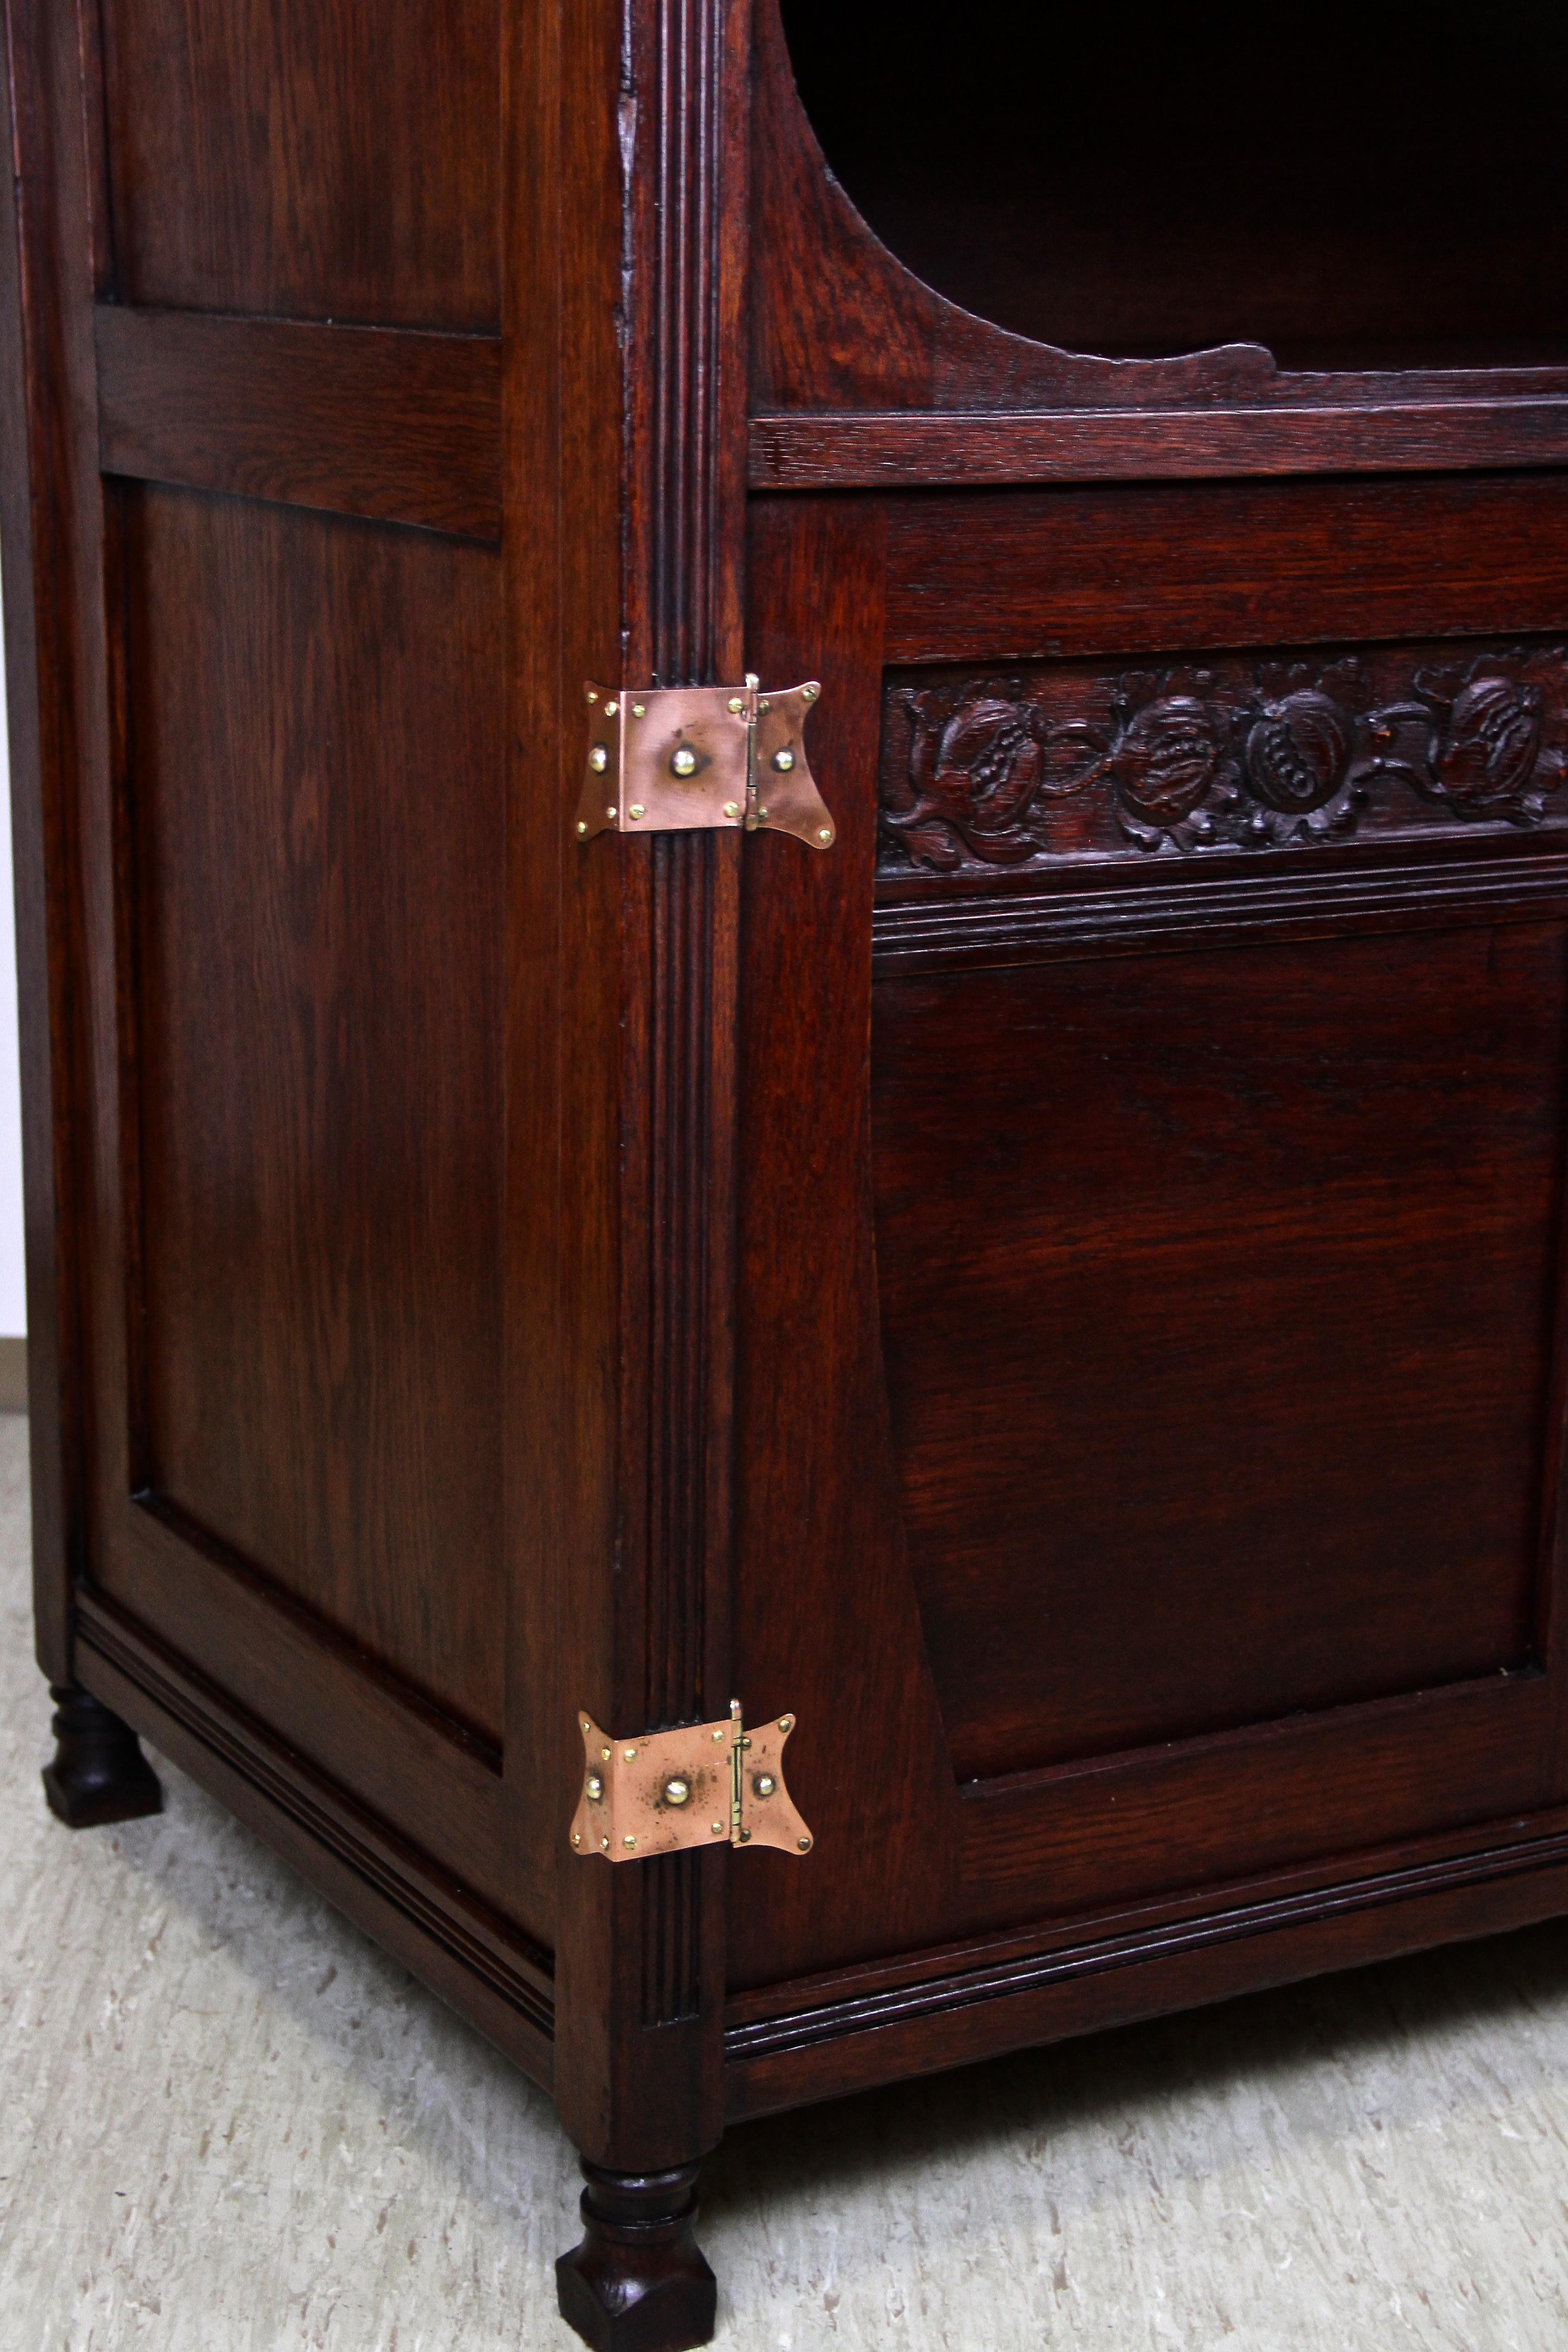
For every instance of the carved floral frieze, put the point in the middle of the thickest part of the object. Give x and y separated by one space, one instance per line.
990 770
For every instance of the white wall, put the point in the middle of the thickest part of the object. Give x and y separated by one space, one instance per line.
13 1290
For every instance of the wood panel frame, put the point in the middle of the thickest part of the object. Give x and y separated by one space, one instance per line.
840 571
607 449
620 1197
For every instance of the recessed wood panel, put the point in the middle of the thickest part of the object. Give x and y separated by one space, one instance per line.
315 823
1217 1298
274 155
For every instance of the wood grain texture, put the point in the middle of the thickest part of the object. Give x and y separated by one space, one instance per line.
468 1955
1066 1838
1070 1306
1306 2140
647 2085
919 447
925 931
58 659
396 426
356 1722
327 164
986 2013
315 786
1166 293
31 289
997 576
843 323
1200 1303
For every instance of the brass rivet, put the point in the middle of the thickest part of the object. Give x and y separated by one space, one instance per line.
824 833
810 692
595 1787
784 761
752 680
598 759
592 696
737 702
604 1845
765 1784
762 816
635 810
610 709
677 1792
585 1723
631 1841
786 1723
638 710
611 814
631 1752
604 1754
745 1743
764 706
746 1837
717 1828
577 1837
716 1738
804 1844
581 826
684 760
732 808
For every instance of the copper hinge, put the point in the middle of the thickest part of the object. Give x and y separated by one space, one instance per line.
661 1790
680 759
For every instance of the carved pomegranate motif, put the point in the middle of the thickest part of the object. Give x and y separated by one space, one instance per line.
989 751
1236 756
1299 750
1493 741
1167 759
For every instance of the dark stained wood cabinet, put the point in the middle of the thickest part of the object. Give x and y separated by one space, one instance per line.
1059 1291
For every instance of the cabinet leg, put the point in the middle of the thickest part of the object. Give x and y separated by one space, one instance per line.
98 1773
638 2282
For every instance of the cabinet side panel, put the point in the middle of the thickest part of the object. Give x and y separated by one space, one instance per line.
315 870
334 162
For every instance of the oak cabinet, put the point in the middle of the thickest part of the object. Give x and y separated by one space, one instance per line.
1044 1287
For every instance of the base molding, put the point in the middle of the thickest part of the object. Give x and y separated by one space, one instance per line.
822 2050
453 1943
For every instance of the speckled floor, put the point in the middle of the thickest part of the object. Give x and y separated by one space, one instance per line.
228 2124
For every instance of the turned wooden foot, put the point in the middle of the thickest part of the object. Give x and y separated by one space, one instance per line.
98 1773
638 2282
